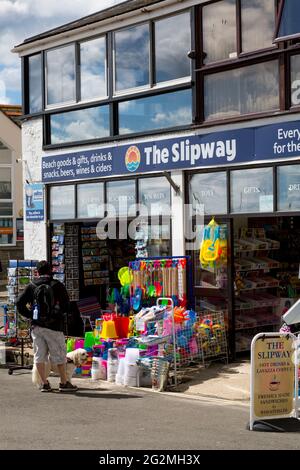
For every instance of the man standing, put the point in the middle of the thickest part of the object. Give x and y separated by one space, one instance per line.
46 302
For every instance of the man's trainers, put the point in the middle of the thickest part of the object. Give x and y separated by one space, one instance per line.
67 387
46 387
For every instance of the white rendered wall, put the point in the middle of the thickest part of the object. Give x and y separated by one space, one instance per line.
177 201
35 233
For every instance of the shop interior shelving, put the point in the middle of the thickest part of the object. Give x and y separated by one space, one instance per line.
256 288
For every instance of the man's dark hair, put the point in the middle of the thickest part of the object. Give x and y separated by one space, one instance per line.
44 268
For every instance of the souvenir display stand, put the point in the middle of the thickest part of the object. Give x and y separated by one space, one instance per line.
20 274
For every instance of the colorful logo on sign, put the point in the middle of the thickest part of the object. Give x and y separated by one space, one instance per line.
132 158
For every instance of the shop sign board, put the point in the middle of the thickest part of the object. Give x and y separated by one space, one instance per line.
272 142
274 377
34 202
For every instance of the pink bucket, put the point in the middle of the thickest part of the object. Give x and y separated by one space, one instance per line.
79 343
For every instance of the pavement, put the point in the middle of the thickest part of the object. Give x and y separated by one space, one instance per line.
217 380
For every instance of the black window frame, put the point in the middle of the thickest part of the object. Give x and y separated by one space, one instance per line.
112 99
281 51
200 54
249 166
159 218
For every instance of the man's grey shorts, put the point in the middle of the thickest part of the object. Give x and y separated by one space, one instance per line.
48 343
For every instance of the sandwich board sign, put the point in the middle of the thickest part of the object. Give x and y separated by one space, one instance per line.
274 379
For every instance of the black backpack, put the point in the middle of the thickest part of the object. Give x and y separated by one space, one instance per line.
43 298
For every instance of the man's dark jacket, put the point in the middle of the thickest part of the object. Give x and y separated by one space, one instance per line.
61 301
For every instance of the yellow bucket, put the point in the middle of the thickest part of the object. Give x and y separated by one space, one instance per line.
109 330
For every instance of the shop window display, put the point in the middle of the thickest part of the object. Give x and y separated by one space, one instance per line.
208 193
62 202
155 195
90 200
252 190
288 188
120 196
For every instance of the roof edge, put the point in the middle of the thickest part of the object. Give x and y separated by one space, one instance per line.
109 13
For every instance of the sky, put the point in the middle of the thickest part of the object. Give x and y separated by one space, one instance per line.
21 19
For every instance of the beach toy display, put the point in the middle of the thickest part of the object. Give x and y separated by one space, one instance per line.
213 249
152 278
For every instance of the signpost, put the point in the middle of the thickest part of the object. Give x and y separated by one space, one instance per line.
274 380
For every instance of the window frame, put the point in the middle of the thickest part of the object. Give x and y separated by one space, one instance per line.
11 201
239 38
239 65
78 70
281 52
62 104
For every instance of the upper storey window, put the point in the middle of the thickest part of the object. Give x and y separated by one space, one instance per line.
134 64
35 83
232 27
132 53
93 69
172 44
60 75
219 31
258 22
289 24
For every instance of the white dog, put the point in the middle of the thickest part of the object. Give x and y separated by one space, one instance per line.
74 359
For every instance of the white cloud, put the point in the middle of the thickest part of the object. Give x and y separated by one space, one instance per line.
21 19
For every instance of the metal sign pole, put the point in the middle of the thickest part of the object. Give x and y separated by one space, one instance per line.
171 306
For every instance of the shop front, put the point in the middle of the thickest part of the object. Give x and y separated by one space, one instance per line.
247 179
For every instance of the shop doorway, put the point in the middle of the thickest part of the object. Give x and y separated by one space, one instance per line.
89 265
213 279
257 280
266 269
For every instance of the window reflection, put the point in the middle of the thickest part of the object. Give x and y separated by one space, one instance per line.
84 124
208 193
92 68
62 202
90 199
219 31
121 195
5 183
289 188
154 194
132 57
252 190
61 75
258 23
172 43
35 83
6 208
251 89
155 112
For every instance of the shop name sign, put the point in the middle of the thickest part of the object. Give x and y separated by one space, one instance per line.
274 376
185 151
279 141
